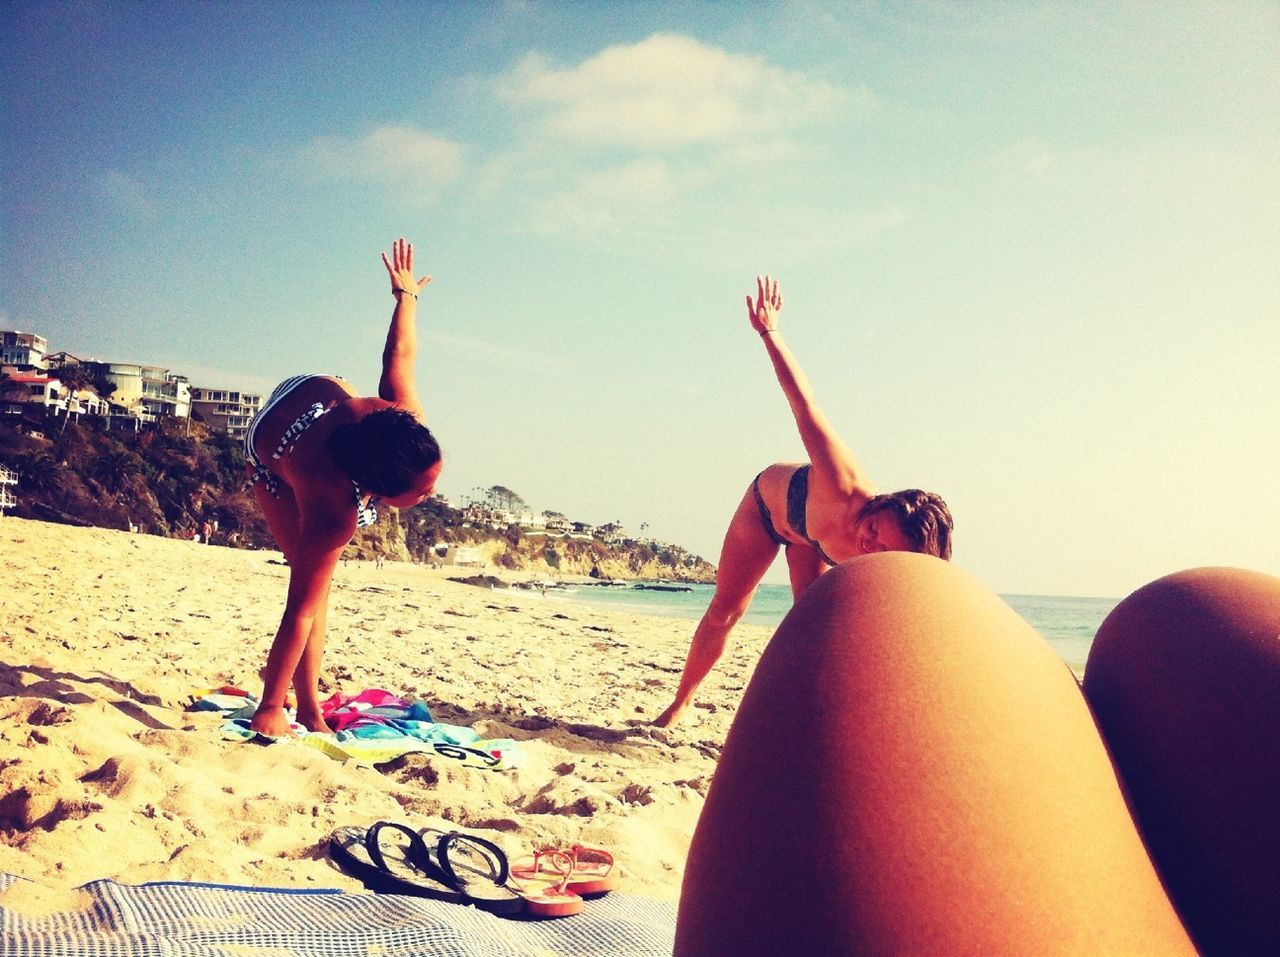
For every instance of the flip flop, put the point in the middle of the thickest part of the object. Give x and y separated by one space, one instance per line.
477 868
553 898
480 867
591 870
360 853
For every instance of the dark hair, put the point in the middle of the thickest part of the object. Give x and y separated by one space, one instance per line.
924 517
384 452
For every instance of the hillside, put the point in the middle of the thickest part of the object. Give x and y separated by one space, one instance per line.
172 478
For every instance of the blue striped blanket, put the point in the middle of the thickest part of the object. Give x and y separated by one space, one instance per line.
204 920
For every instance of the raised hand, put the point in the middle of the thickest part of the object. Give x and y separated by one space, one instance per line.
763 312
400 268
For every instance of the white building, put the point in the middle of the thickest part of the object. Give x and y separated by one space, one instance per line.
145 391
528 519
462 555
226 410
24 350
29 388
8 477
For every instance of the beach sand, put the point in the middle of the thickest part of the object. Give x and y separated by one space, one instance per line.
105 773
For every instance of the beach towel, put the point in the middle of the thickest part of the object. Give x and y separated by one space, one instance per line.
371 727
171 919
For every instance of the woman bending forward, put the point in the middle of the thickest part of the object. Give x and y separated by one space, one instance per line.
320 458
821 513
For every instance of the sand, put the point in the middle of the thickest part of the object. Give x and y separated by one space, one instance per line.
106 773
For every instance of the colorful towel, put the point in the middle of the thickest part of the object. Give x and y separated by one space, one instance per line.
371 727
205 920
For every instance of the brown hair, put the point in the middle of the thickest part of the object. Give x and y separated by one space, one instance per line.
384 452
924 517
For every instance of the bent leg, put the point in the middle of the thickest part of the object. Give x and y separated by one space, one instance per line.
306 677
914 770
285 523
746 555
1184 679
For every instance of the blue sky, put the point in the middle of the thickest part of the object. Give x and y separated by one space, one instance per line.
1030 252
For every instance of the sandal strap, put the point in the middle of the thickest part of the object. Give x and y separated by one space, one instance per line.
416 857
494 853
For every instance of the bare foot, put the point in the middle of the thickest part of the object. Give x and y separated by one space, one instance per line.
271 723
313 721
671 715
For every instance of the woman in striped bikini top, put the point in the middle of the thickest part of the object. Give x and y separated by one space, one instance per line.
319 457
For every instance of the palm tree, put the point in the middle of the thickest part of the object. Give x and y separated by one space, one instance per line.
114 469
41 471
73 379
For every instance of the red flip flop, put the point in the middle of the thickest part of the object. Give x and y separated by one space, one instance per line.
591 869
551 897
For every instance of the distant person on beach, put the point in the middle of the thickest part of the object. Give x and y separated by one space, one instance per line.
821 513
320 457
949 787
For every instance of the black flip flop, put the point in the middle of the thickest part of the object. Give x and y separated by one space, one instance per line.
359 852
477 868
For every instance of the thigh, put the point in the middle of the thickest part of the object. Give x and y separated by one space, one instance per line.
914 770
282 515
1184 678
745 556
804 565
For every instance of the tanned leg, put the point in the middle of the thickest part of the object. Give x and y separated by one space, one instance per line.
746 555
285 522
1184 678
306 677
914 771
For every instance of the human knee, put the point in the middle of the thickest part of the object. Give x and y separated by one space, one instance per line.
1187 626
888 592
894 620
725 612
1181 679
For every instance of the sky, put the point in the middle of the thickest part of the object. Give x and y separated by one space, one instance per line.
1030 252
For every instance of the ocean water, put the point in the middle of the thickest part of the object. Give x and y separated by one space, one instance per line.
1068 624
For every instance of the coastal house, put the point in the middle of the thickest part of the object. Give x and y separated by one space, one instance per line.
531 520
462 555
29 388
226 410
145 392
24 351
481 516
611 533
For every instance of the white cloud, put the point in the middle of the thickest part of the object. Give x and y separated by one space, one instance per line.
406 155
613 196
671 91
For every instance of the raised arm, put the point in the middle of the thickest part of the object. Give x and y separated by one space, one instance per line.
834 465
397 383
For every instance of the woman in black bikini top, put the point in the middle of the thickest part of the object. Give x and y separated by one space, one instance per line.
821 512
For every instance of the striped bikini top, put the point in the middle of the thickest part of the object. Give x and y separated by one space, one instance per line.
366 513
